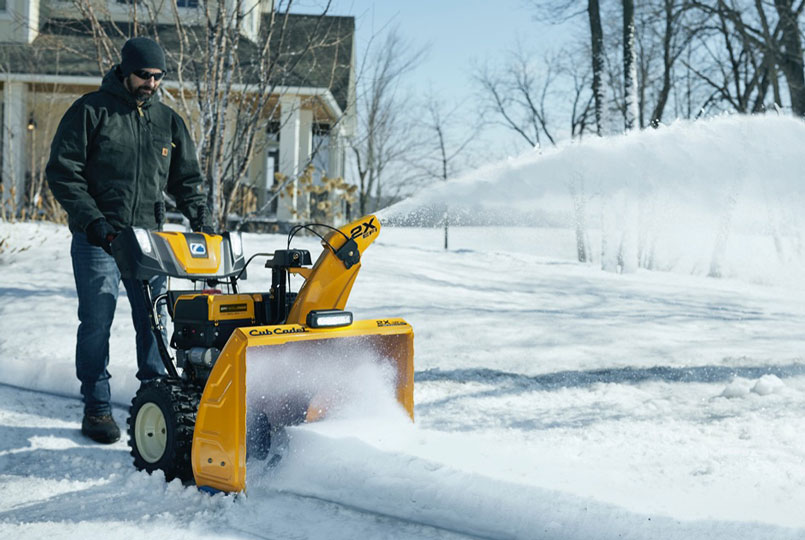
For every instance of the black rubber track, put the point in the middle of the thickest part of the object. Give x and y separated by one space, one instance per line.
178 402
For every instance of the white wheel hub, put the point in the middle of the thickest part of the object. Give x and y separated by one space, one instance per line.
150 432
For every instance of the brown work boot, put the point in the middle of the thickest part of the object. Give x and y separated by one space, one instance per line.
101 428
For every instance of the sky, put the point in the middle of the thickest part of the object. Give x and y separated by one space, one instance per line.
458 34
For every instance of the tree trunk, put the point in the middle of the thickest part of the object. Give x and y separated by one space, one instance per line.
791 55
629 67
597 41
665 91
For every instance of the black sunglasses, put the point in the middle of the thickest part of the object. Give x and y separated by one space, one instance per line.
145 75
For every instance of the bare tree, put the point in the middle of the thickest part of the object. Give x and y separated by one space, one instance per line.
228 83
757 43
728 62
598 62
629 66
444 142
583 98
789 50
691 55
675 35
33 200
381 139
39 202
518 95
559 11
665 31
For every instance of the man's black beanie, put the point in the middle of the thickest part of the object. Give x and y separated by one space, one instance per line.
141 53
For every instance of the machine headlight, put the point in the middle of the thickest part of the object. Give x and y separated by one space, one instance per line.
236 243
329 318
144 239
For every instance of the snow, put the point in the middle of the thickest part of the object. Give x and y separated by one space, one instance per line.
553 399
720 197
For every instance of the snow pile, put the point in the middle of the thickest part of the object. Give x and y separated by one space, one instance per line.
768 384
764 386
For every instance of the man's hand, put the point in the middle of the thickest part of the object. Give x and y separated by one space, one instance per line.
201 223
101 234
201 226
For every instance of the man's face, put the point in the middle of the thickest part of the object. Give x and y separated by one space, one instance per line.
142 86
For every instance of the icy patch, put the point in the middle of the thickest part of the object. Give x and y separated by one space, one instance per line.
52 443
33 489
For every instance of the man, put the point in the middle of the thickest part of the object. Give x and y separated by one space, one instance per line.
115 151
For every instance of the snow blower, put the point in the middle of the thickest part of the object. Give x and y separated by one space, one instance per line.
249 364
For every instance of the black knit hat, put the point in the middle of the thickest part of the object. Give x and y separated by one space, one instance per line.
141 53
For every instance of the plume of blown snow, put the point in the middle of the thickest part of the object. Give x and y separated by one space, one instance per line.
719 197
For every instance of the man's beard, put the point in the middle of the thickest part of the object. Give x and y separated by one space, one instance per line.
142 93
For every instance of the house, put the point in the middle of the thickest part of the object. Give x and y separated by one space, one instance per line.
53 51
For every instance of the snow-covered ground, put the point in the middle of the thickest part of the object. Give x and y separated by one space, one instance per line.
553 399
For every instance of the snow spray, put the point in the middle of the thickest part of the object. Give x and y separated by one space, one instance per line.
719 197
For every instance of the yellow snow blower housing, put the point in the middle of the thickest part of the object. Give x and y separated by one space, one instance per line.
252 363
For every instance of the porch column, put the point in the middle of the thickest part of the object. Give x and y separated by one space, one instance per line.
14 132
305 151
336 150
290 120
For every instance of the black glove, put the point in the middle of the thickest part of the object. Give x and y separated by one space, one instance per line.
159 213
195 226
201 222
101 234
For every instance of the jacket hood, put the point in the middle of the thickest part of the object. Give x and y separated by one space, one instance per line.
113 84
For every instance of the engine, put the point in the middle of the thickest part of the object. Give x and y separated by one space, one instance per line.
203 322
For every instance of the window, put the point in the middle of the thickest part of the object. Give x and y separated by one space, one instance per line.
187 3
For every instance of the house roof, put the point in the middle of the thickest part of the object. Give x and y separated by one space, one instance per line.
309 51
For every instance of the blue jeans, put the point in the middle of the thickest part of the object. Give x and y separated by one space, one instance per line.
97 281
